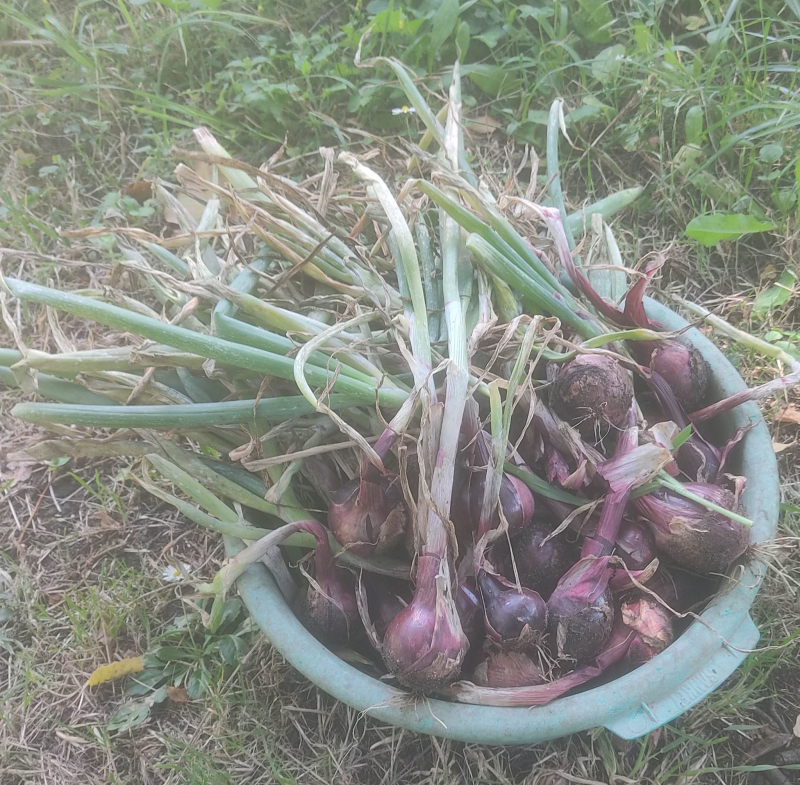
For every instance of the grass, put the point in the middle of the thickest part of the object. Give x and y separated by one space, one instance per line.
699 108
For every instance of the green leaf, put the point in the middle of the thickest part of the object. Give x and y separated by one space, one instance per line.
770 153
606 66
682 437
712 229
133 713
797 182
462 40
443 23
593 21
129 716
492 79
778 294
693 125
197 684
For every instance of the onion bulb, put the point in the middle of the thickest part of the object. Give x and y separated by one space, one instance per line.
507 669
690 534
515 617
367 518
593 392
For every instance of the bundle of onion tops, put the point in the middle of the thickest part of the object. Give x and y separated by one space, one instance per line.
464 466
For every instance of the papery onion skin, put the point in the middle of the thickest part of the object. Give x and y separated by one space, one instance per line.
515 618
365 518
691 535
507 669
592 392
582 611
331 616
425 645
635 546
652 623
328 607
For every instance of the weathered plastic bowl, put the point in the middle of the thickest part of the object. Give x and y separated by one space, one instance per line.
630 706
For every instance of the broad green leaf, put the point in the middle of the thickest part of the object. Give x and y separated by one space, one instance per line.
593 21
129 716
687 159
606 66
778 294
693 125
716 227
198 683
492 79
770 153
443 22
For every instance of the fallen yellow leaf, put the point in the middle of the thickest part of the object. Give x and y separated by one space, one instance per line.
115 670
796 729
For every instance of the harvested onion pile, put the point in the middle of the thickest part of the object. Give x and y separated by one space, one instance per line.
490 473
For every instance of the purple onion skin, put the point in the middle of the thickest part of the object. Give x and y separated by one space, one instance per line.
689 534
635 546
507 669
681 365
331 614
582 611
365 518
652 624
516 501
540 566
424 645
515 619
592 392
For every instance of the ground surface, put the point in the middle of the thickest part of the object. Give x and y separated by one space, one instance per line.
94 96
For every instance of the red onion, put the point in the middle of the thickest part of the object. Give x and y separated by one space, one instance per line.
366 518
691 535
328 606
515 618
635 546
683 368
592 392
425 645
541 564
652 624
541 694
507 669
516 501
696 457
581 610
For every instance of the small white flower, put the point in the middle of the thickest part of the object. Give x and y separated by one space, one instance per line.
403 110
172 574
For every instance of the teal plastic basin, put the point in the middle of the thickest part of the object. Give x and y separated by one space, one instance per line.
630 706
